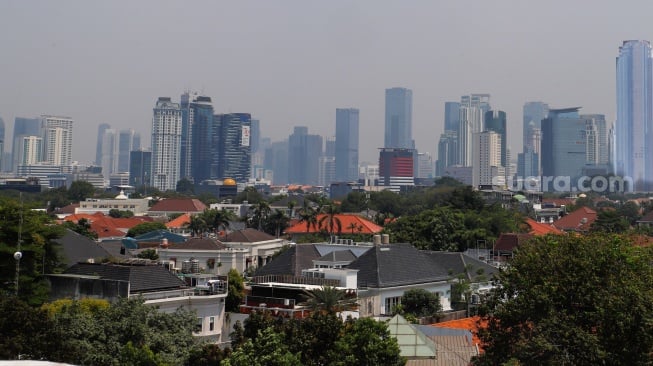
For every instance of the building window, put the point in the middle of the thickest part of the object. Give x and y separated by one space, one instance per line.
198 325
211 324
391 303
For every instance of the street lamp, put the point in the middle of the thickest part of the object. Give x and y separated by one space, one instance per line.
17 256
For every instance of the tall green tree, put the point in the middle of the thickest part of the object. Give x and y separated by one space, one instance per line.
421 303
330 219
80 190
197 225
575 300
308 215
329 300
36 234
268 349
145 228
366 342
236 291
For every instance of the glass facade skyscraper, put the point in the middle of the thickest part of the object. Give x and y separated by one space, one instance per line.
399 118
234 146
634 124
346 153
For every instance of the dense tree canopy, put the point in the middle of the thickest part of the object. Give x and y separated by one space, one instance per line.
236 291
145 228
80 190
420 303
572 300
40 251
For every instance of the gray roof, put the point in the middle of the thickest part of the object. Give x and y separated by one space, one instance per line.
455 263
79 248
301 256
338 256
396 265
142 278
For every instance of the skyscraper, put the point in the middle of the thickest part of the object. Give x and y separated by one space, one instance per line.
57 140
140 167
201 126
396 168
108 152
472 111
533 114
125 146
346 153
98 148
398 118
304 153
2 144
255 138
487 169
166 144
447 152
234 148
451 116
634 124
496 121
23 127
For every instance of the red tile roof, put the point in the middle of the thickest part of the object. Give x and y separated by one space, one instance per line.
509 241
363 226
579 220
106 226
179 205
537 228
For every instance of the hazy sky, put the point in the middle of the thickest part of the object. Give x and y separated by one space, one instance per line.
293 63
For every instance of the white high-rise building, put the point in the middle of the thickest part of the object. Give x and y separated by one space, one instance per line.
486 165
57 140
166 144
108 152
472 110
30 150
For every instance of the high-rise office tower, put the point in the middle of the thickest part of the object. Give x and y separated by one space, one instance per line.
330 147
573 144
125 146
2 144
23 127
396 168
347 128
304 153
140 167
634 124
255 138
496 121
136 142
472 110
533 114
398 118
166 144
451 116
108 152
234 149
487 169
327 170
98 148
447 152
425 166
276 160
57 140
200 124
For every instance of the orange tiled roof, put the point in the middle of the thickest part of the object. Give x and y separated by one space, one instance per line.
579 220
363 226
471 324
106 226
179 222
537 228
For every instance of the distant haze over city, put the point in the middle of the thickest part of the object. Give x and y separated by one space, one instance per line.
292 63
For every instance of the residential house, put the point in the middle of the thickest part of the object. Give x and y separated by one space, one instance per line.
202 293
170 206
349 224
77 248
139 206
261 246
579 221
107 227
207 254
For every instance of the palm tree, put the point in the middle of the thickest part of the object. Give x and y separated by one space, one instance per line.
261 212
330 300
308 215
196 225
218 219
331 219
279 220
352 226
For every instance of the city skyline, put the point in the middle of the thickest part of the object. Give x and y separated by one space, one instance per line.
289 68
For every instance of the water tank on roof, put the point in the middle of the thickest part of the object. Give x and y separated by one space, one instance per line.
376 239
195 266
385 239
186 267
